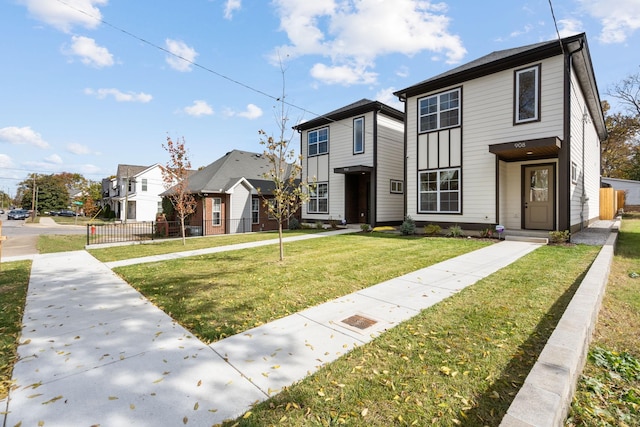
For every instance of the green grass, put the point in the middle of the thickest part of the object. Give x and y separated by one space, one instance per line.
223 294
51 243
14 280
605 396
460 362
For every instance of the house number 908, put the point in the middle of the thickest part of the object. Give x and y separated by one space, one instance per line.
519 144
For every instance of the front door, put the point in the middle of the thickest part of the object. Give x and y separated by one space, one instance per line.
539 197
357 198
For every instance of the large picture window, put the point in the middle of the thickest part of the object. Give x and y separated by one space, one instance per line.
318 141
439 111
440 191
358 135
527 95
319 198
216 211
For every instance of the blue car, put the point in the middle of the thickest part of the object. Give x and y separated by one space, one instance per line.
18 214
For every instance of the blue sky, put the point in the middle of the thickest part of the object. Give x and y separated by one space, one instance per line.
89 84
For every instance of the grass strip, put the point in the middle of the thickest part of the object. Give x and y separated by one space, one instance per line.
14 281
460 362
223 294
608 393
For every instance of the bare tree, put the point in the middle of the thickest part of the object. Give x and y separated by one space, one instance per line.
175 176
628 92
289 192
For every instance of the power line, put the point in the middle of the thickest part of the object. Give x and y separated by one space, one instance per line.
553 15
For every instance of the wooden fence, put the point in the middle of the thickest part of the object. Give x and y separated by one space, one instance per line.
611 201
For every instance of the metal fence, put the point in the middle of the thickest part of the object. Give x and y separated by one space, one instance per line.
151 230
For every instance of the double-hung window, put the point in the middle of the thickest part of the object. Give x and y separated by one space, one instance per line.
439 191
318 141
319 198
358 135
144 184
527 95
439 111
216 211
255 210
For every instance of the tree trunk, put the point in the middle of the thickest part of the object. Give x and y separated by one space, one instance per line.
280 240
184 240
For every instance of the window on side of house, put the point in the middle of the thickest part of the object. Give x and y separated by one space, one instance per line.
318 141
255 210
216 211
527 95
439 191
319 198
439 111
144 184
574 173
160 207
397 186
358 135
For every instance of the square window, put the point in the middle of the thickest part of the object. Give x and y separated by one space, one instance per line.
318 141
440 191
439 111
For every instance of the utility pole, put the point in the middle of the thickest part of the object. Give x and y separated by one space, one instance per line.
126 198
33 199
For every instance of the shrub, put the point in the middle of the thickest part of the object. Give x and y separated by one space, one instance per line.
294 224
333 223
365 227
559 236
455 231
432 229
408 226
487 232
319 225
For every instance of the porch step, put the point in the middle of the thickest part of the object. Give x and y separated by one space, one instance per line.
524 238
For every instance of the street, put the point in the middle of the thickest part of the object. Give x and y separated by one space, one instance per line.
22 238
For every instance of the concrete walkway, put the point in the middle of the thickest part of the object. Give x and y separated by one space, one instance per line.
95 352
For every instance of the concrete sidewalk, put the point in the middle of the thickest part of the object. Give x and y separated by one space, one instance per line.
96 352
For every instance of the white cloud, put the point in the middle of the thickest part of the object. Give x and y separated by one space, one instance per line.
182 57
89 169
22 136
252 112
568 27
55 159
230 7
199 108
76 148
5 161
386 96
89 52
619 19
65 16
353 34
119 95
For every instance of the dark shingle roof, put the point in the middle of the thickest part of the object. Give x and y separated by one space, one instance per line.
359 107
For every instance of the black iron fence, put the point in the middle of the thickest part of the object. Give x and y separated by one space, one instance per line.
153 230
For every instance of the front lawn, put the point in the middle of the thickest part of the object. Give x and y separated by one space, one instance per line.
227 293
14 281
460 362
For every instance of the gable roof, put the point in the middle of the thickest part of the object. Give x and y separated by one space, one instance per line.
224 174
573 46
357 108
130 170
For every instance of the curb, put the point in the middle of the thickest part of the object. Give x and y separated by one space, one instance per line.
546 395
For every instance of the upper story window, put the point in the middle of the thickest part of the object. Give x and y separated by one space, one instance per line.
144 184
439 111
318 141
527 95
358 135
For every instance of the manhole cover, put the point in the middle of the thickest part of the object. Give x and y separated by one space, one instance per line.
359 322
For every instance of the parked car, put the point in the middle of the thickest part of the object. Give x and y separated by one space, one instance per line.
67 213
18 214
1 211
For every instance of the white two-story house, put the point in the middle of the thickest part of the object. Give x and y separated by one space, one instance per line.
512 138
133 194
355 155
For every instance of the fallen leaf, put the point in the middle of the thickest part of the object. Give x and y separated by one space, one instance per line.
185 420
196 406
246 415
132 406
199 383
113 398
364 412
158 380
52 400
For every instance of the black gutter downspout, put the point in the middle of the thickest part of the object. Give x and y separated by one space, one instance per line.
564 157
374 173
404 158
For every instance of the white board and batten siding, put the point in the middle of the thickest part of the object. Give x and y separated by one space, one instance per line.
239 207
390 159
487 118
584 139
